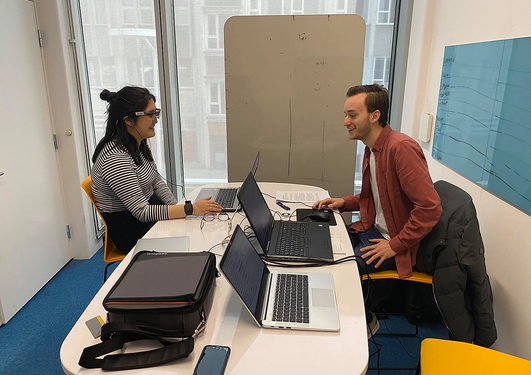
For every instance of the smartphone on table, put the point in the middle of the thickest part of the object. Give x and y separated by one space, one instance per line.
213 360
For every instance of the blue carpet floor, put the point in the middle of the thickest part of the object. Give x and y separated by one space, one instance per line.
31 340
401 352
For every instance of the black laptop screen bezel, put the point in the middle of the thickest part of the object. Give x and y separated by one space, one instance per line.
250 183
254 169
239 235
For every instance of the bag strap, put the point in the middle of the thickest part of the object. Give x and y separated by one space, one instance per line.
115 335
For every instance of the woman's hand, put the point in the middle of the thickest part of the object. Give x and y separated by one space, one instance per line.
203 206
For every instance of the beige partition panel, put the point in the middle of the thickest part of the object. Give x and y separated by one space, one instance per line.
286 80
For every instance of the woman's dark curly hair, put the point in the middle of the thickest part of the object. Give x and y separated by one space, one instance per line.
125 103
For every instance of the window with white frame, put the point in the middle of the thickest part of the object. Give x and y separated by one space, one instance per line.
101 71
186 104
362 9
215 23
380 72
118 53
292 7
216 92
183 29
133 68
87 16
101 12
297 6
255 7
341 6
93 70
146 13
386 12
108 70
128 12
188 123
199 43
186 72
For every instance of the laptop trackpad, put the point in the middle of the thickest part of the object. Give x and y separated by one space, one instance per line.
323 297
207 192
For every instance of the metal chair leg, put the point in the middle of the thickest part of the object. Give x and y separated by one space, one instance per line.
398 334
394 369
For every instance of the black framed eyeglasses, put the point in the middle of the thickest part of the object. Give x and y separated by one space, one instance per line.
155 113
211 216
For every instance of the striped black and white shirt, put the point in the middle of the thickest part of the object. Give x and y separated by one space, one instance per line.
118 184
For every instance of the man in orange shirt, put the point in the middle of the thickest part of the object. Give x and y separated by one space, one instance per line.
398 204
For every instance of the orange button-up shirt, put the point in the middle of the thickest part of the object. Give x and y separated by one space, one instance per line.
410 204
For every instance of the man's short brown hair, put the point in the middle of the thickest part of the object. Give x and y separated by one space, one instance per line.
377 99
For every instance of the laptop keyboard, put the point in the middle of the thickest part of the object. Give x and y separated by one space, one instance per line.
291 299
225 197
293 239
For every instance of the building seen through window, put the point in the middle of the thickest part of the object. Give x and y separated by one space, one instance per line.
121 49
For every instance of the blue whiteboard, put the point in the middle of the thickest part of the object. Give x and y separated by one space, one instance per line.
483 123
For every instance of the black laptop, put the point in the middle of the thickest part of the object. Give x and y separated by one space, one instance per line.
283 240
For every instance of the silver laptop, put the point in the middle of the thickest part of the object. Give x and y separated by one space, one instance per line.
227 197
179 244
295 300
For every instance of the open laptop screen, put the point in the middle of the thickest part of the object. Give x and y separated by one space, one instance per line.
244 269
254 169
256 209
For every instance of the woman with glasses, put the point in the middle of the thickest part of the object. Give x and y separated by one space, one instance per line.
129 192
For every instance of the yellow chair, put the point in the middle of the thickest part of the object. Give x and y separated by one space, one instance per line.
442 357
418 277
111 254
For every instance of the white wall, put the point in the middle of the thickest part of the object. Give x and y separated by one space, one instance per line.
61 85
504 228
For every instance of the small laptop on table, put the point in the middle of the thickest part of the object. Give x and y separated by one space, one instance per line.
226 197
284 240
277 299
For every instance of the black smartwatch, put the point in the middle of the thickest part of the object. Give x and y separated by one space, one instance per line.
188 208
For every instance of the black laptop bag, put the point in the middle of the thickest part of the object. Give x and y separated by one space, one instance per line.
159 296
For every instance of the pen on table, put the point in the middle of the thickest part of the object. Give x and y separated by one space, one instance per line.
283 205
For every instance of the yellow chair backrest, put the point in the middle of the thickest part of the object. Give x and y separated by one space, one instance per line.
111 253
443 357
417 277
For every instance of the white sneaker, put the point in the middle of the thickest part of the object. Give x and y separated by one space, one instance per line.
373 326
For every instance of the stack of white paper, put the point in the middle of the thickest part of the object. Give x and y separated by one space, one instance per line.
302 196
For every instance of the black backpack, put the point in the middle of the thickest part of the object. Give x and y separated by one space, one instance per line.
158 296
